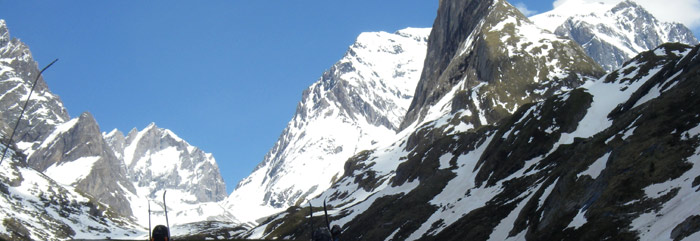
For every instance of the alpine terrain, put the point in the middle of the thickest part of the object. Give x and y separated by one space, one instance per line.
355 105
66 179
157 160
612 33
582 123
35 207
514 133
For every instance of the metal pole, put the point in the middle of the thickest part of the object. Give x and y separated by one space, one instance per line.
149 221
325 211
166 214
23 109
311 218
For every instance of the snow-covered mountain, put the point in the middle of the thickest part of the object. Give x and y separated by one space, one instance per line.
609 158
356 104
490 63
17 73
76 154
35 207
612 33
119 174
156 160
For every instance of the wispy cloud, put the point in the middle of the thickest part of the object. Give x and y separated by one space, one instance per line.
523 9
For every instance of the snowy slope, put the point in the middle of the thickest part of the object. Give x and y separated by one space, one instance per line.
609 158
612 33
614 159
35 207
355 105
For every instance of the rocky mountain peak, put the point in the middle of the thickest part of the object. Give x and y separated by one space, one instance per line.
17 73
115 140
157 159
4 33
356 104
76 154
36 207
612 33
455 22
489 59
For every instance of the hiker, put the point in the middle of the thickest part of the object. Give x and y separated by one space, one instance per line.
321 234
160 233
335 232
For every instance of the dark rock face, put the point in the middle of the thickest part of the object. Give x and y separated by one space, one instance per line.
488 49
455 22
689 226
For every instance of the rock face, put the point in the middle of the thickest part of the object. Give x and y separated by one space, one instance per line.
157 159
487 59
612 33
17 73
47 136
76 154
609 158
35 207
356 104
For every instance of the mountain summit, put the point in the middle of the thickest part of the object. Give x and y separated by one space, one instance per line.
113 177
355 105
488 59
612 33
17 73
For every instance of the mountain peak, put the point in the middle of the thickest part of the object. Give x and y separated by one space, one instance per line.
150 126
357 104
554 18
4 33
478 54
16 78
626 4
612 34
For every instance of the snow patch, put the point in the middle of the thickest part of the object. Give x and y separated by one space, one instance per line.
71 172
596 168
579 220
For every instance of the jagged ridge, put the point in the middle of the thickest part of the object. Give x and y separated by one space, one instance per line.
612 33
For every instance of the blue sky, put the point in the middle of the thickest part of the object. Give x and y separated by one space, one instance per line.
224 75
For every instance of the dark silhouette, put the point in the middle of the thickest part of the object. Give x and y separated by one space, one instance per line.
160 233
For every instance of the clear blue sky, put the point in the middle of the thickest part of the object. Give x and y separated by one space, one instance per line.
224 75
